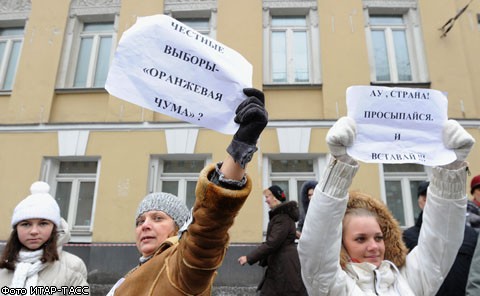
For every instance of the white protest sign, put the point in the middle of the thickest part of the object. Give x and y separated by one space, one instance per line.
165 66
398 125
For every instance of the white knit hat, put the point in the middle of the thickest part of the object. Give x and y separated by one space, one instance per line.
39 205
167 203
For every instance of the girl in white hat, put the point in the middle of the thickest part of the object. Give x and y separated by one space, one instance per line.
33 259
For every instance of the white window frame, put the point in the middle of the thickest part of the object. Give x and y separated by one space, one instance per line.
269 177
307 9
205 9
407 199
415 44
209 15
50 174
7 56
156 174
71 48
13 14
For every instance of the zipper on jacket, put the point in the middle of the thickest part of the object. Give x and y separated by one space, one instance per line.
375 281
334 162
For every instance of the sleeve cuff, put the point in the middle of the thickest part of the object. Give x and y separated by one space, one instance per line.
219 179
449 184
337 178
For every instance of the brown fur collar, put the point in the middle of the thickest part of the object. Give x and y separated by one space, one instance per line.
395 250
290 208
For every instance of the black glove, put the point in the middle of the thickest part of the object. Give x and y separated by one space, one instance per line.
252 117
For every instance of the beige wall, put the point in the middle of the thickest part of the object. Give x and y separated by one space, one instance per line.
32 95
343 51
125 153
447 60
20 161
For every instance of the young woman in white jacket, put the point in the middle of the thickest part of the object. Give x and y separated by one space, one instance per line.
33 262
352 245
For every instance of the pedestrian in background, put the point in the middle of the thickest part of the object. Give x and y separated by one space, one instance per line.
410 235
473 283
473 206
279 252
33 255
306 194
170 265
456 280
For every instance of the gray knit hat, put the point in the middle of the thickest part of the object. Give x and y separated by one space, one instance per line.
167 203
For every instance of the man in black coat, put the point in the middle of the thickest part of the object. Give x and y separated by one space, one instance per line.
456 280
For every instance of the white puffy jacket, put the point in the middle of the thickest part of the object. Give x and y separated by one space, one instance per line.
68 271
420 273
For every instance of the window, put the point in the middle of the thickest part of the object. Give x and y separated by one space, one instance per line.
198 15
389 41
202 25
394 42
88 51
73 185
291 49
176 176
290 174
93 55
400 190
11 40
90 40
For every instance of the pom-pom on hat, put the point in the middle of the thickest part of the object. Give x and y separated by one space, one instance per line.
278 193
38 205
167 203
474 184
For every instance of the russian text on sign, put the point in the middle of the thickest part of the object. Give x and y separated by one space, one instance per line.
398 125
179 72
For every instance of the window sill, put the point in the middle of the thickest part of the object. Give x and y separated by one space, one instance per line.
403 84
80 90
293 86
81 236
5 92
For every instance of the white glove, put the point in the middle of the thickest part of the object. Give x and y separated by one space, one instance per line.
457 138
340 136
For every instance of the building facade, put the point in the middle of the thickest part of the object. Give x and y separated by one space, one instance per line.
102 155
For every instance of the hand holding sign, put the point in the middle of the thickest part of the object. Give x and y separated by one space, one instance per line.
340 136
252 117
457 138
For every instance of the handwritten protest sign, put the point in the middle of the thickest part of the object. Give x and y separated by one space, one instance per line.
398 125
165 66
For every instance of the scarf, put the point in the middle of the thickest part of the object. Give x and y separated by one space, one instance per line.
144 259
28 266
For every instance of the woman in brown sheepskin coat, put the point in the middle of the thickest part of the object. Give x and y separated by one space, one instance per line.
188 265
